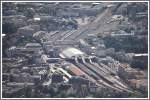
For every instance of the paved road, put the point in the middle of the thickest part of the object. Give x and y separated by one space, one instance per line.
99 25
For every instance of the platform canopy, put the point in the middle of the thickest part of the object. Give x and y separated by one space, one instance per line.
71 52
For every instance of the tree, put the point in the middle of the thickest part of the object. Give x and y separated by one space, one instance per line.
9 27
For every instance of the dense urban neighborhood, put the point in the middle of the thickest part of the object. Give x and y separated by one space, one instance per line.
74 50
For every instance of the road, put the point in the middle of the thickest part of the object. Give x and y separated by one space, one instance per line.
99 25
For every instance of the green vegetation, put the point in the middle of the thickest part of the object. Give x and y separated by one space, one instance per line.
9 27
128 44
24 40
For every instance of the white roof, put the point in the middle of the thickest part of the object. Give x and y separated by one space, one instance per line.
70 52
37 18
3 35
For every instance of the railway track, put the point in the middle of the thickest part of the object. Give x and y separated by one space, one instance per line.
68 34
99 74
96 77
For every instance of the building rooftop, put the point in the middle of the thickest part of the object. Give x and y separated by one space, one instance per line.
75 70
33 45
71 52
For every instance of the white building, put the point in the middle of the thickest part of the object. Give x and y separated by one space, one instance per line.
71 52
